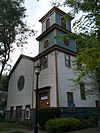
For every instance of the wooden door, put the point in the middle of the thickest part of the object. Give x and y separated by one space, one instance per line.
44 100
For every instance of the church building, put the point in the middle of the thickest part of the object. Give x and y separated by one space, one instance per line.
56 88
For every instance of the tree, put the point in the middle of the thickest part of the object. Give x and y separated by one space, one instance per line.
4 83
87 29
88 61
3 103
13 30
3 94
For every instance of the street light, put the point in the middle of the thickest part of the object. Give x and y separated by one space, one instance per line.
37 69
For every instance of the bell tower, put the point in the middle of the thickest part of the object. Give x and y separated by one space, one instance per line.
56 56
53 26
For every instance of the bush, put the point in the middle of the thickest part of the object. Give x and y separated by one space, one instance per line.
89 122
46 114
62 124
83 124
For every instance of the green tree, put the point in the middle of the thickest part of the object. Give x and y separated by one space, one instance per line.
87 30
3 93
4 83
13 30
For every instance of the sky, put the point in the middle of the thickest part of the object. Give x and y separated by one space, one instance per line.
35 9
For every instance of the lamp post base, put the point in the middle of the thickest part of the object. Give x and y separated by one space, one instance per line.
35 130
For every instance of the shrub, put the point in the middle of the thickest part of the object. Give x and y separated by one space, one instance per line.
62 124
83 124
46 114
89 122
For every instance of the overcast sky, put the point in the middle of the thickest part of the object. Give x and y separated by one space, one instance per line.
35 10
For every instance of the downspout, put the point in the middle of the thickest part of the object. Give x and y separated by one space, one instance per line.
32 83
56 70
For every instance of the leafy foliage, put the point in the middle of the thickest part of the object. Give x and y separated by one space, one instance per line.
4 83
62 124
13 30
3 103
46 114
88 61
87 30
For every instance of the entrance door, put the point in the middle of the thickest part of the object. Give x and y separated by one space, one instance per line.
44 100
70 98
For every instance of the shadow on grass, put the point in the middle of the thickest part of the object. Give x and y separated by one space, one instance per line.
16 132
4 129
88 130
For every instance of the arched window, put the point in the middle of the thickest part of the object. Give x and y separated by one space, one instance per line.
63 23
47 23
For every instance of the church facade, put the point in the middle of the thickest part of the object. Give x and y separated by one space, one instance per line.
56 56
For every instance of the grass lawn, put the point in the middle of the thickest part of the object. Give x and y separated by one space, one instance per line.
7 126
4 129
91 130
16 132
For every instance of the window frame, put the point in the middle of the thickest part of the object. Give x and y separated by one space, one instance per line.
44 62
71 95
97 103
46 43
66 42
47 23
11 112
18 112
67 61
63 23
82 91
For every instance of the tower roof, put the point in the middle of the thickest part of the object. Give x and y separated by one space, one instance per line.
54 9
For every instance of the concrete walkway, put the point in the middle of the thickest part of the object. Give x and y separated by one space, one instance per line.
23 130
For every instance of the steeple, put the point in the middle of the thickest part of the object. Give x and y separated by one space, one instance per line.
54 25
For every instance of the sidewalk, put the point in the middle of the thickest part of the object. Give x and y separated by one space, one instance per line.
23 130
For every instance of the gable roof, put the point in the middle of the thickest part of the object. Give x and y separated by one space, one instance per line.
17 62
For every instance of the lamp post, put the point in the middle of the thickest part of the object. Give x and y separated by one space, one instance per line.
37 69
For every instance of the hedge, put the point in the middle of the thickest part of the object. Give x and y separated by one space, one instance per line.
62 124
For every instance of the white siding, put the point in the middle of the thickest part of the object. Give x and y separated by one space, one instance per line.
47 78
66 85
24 97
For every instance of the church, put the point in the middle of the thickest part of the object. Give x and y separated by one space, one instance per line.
55 88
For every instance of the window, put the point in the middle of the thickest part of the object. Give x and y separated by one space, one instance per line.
67 60
70 97
27 112
44 62
46 43
11 111
44 99
43 96
47 23
82 91
63 23
97 103
70 100
21 82
18 112
66 42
